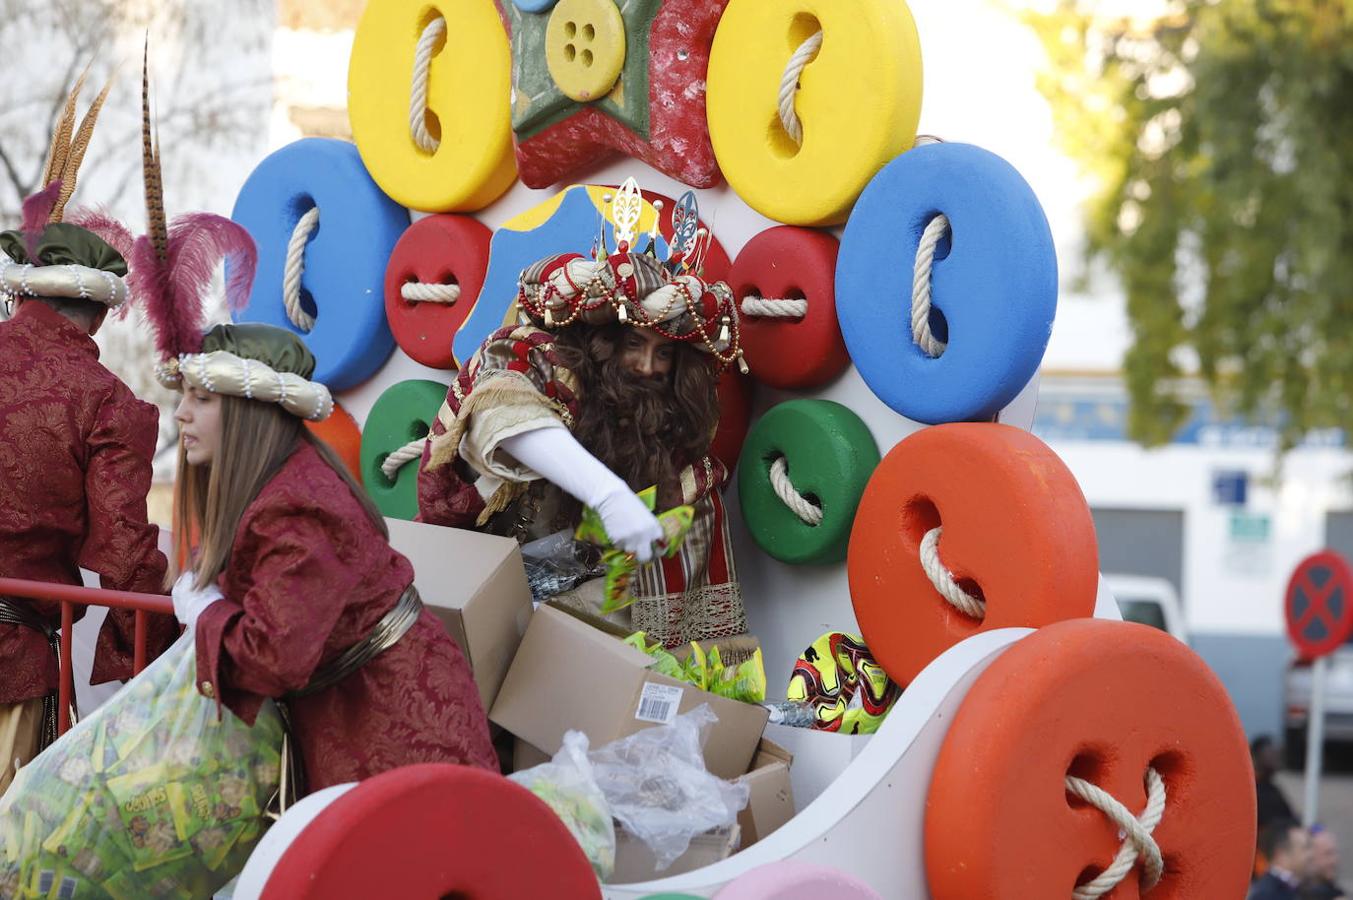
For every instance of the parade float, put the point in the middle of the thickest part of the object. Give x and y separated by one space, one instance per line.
894 296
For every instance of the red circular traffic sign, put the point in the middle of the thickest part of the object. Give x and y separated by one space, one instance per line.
1319 604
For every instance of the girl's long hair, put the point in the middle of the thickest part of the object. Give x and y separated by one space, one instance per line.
256 439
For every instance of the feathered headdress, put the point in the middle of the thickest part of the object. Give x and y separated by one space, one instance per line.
172 266
63 160
659 287
51 258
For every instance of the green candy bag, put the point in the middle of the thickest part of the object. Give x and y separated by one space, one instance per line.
621 566
745 682
150 796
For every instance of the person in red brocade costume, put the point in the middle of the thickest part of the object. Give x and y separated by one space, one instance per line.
292 591
292 575
75 462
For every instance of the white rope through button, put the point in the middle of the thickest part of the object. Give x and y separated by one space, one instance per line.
775 307
920 287
789 86
408 453
424 292
1137 831
807 512
418 95
943 579
291 275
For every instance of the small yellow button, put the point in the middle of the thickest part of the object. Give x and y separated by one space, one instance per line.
208 690
585 47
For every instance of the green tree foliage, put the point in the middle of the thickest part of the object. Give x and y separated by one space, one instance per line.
1220 136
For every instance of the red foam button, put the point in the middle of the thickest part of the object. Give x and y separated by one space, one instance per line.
434 830
735 417
1017 535
341 433
437 250
790 263
1101 701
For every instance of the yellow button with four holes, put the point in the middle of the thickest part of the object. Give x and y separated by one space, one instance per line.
585 47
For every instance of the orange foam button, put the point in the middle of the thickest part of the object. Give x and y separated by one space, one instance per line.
1013 542
395 835
784 280
1100 703
431 283
341 433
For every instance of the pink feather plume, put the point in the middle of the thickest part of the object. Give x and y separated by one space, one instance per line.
113 232
173 291
148 281
198 242
37 210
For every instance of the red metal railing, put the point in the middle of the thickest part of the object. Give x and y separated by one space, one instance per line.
71 596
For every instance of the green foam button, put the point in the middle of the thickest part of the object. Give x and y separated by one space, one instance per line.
823 454
404 413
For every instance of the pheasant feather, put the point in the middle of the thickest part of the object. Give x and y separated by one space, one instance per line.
76 153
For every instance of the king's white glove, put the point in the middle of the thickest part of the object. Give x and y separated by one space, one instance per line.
189 602
556 455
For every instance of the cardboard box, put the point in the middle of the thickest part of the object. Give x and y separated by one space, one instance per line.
568 675
771 802
476 584
634 862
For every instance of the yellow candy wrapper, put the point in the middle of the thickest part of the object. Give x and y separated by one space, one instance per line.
745 682
621 566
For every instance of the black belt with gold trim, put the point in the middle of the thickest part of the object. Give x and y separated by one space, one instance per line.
386 633
17 612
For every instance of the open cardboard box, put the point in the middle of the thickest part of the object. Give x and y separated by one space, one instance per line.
770 804
569 675
476 584
635 862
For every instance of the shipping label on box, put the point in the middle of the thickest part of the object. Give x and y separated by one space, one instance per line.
568 675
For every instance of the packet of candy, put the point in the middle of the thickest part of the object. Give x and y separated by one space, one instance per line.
621 566
745 682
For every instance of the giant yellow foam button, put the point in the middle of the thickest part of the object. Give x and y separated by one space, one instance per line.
464 160
857 102
585 47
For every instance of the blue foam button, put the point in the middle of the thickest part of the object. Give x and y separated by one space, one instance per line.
570 228
993 283
534 6
342 283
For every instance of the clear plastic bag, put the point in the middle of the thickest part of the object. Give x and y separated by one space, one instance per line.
558 563
658 788
150 796
566 785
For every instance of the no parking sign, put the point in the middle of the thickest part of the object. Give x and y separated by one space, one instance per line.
1319 604
1319 611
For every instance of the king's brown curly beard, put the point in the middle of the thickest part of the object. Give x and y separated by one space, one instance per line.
645 429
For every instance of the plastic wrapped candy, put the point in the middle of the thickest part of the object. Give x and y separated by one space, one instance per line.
745 681
621 566
658 788
150 796
845 685
566 785
559 563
